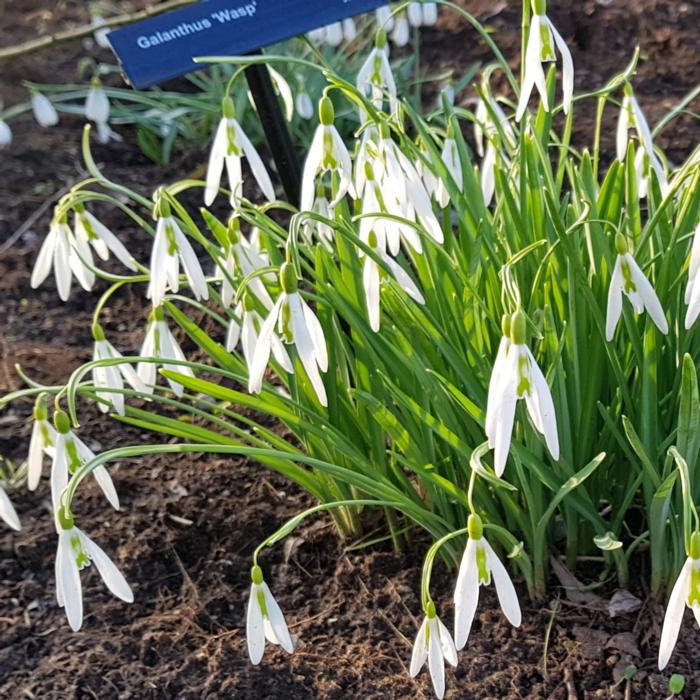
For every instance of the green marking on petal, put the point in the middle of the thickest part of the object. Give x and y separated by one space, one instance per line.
81 557
694 595
484 576
74 461
261 602
170 235
523 372
629 284
547 50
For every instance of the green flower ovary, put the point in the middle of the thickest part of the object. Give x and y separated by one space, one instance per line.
629 284
482 568
74 461
523 375
81 557
694 595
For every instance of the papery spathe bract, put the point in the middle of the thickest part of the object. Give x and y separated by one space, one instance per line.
170 248
42 441
479 566
296 324
264 620
540 49
434 644
628 279
87 227
76 551
68 255
44 111
230 146
160 343
8 514
327 153
70 454
518 376
685 593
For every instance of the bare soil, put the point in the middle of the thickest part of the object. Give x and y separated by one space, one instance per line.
189 524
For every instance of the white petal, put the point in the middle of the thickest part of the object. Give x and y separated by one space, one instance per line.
255 633
436 662
193 270
622 137
61 263
420 650
674 614
305 347
7 511
69 580
44 111
648 295
614 300
488 179
447 646
404 280
311 168
59 471
216 163
113 578
262 349
370 282
97 105
494 395
567 67
466 596
35 459
317 337
547 416
533 66
277 620
256 164
111 241
42 266
105 482
507 597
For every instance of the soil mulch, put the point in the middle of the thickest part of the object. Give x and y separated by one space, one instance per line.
189 524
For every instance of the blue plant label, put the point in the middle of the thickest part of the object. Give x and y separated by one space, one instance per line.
164 47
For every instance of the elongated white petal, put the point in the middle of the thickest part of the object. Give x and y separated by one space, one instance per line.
370 282
402 32
97 105
505 590
113 578
61 263
693 303
262 348
614 300
488 176
147 371
648 295
7 511
420 650
567 66
277 620
105 482
216 163
111 241
317 337
59 471
311 168
622 136
35 459
256 165
543 396
42 266
533 66
255 633
493 397
305 347
466 596
674 614
436 661
447 645
68 578
505 414
430 14
193 270
285 92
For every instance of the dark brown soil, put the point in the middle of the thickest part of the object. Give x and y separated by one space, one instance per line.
188 524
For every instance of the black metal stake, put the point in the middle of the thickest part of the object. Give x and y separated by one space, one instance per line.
276 132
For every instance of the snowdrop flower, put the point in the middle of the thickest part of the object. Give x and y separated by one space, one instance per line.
414 12
402 31
76 551
349 29
692 290
112 376
540 49
375 79
229 147
101 32
434 644
628 279
170 248
97 103
327 153
44 111
265 620
403 189
430 14
385 18
69 256
89 229
5 133
43 440
282 89
632 117
8 512
333 34
304 106
450 157
160 343
248 330
479 565
312 227
367 152
516 375
297 324
686 592
70 454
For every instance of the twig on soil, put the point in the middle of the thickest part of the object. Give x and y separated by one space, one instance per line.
556 605
571 693
45 42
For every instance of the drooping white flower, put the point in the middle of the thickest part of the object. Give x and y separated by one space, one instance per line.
632 117
42 441
401 33
89 229
367 152
414 12
230 146
160 343
71 453
5 133
314 228
44 111
479 565
450 157
333 35
375 79
282 88
112 376
97 103
686 592
349 29
540 49
692 289
327 153
628 279
8 512
68 255
264 620
76 551
430 14
304 106
434 644
170 248
385 18
296 324
516 375
248 330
